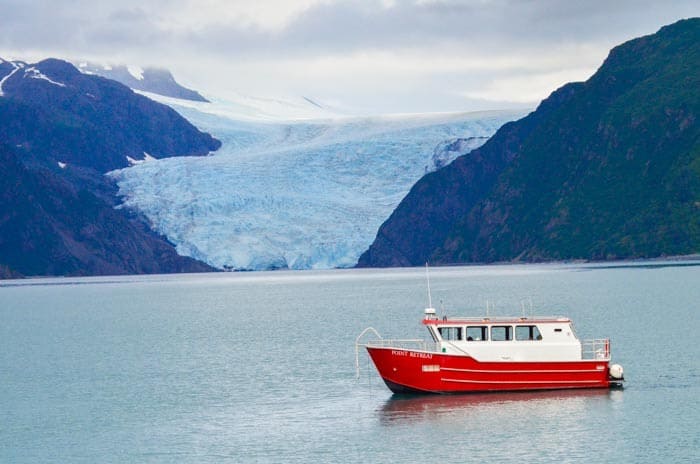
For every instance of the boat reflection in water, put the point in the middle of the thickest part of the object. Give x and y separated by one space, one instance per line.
482 408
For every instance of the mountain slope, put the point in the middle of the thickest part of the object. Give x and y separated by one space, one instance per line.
60 114
605 169
60 131
51 226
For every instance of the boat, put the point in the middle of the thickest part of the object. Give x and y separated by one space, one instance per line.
484 354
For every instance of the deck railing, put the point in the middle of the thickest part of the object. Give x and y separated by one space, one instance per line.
402 344
598 349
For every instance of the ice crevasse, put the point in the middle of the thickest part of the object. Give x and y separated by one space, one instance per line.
294 194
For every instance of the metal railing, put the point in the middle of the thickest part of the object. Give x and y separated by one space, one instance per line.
401 344
596 349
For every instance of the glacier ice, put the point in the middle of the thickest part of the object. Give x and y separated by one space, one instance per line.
305 194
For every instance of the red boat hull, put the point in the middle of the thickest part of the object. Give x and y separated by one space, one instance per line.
408 371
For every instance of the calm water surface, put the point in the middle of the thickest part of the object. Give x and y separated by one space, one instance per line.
260 367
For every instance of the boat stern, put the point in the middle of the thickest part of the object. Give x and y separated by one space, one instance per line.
616 376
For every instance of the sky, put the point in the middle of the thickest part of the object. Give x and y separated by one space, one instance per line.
363 56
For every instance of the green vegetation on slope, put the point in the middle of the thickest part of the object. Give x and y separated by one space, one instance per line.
612 171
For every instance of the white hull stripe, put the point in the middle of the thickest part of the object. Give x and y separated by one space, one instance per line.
542 371
521 381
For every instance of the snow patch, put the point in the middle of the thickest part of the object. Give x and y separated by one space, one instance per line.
135 71
83 67
146 158
17 67
34 73
246 108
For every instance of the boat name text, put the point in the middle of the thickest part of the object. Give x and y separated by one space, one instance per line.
411 354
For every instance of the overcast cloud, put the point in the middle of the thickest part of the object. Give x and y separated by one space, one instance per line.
369 55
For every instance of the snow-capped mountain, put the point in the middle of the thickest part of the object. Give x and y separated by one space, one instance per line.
89 121
293 194
60 131
154 80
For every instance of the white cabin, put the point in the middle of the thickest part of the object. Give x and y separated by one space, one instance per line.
509 339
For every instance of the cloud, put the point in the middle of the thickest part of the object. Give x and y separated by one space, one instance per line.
316 27
454 49
526 88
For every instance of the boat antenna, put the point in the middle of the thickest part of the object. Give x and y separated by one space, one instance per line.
427 277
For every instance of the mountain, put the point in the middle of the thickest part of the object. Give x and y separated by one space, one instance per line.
604 169
305 194
60 132
51 225
62 115
152 80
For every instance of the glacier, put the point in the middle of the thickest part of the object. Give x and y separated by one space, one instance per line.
293 194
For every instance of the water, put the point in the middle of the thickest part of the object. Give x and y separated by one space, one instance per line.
259 367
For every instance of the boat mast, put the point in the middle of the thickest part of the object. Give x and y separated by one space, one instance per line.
427 277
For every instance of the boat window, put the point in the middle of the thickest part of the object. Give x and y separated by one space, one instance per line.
477 333
450 333
501 333
527 332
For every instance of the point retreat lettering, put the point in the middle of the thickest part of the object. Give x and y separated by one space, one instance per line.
411 354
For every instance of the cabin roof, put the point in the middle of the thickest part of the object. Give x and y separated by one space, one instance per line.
495 320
